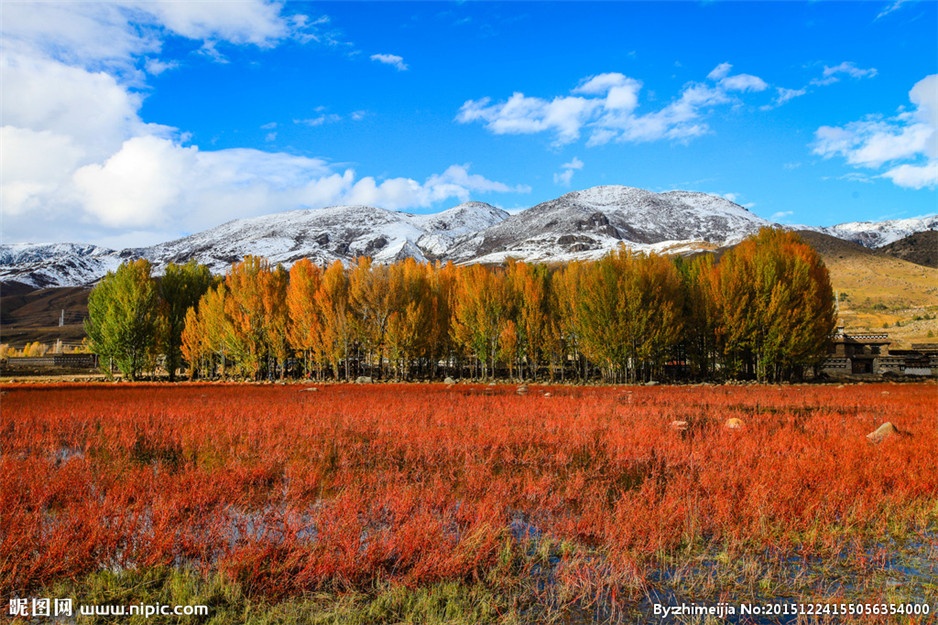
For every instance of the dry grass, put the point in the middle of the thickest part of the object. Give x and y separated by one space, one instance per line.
881 291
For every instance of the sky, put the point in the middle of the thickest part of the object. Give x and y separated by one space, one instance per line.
132 122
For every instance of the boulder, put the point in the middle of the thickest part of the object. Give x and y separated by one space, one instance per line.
679 426
733 424
882 433
449 381
522 390
363 379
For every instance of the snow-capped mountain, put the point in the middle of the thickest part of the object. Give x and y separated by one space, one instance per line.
581 224
56 264
879 233
322 235
587 224
444 229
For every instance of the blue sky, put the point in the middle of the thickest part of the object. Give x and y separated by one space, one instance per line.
131 122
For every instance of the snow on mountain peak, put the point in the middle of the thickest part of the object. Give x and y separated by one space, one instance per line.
578 225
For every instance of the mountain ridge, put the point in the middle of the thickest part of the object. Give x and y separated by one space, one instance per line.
577 225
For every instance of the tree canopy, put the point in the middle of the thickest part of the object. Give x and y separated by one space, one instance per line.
765 310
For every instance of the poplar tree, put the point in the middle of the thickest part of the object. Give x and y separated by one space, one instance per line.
122 318
333 298
776 306
180 289
304 328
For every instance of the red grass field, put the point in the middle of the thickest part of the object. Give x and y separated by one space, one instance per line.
579 495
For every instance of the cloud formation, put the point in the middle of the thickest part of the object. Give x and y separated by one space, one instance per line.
393 60
606 105
831 75
81 164
565 176
907 143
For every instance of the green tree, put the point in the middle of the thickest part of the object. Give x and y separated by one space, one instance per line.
122 318
180 289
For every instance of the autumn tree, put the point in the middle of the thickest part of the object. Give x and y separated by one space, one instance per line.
333 298
369 307
438 342
602 326
565 320
255 306
529 285
651 302
482 307
775 304
410 303
209 337
698 338
305 324
122 318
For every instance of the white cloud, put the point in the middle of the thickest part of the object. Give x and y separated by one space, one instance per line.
914 176
114 35
391 59
35 165
743 82
80 164
894 6
258 22
565 176
850 69
573 164
135 186
606 105
831 75
602 83
319 120
400 193
875 141
154 185
781 215
523 115
90 108
720 71
785 95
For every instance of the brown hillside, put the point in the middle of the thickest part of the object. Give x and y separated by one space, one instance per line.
877 291
920 248
28 315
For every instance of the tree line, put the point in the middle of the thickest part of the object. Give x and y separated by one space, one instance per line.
764 310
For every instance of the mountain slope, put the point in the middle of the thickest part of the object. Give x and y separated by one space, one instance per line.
323 235
578 225
880 233
587 224
876 291
56 264
920 248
